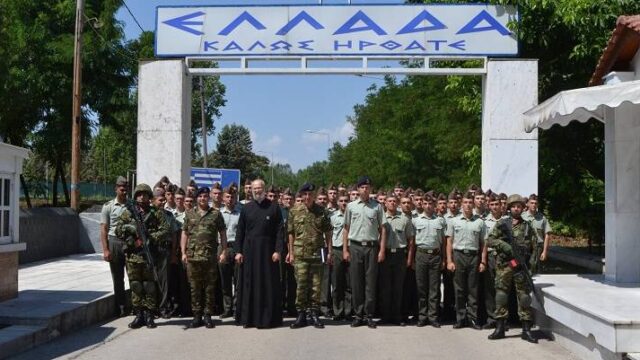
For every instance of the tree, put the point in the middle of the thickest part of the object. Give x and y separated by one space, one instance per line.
37 69
235 151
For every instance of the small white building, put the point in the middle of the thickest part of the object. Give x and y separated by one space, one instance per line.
598 316
11 159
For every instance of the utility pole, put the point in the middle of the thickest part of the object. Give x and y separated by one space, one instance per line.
77 111
204 123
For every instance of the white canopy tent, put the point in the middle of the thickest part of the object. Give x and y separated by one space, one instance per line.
581 105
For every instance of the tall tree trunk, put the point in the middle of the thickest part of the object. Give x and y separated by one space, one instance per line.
64 183
25 188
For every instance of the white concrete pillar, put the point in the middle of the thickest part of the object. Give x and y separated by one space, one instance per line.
164 122
509 154
622 194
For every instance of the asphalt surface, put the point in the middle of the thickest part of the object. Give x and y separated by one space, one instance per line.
173 340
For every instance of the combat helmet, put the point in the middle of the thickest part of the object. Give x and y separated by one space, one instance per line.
142 188
515 198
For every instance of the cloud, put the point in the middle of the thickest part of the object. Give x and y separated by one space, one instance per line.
274 141
340 134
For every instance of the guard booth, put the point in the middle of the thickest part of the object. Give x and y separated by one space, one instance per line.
597 316
11 159
428 36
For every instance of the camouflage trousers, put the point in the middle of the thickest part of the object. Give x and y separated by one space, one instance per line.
309 279
203 278
143 286
505 277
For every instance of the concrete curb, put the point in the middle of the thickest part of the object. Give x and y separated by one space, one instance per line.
25 333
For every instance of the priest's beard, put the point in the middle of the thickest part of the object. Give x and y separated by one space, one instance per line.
259 198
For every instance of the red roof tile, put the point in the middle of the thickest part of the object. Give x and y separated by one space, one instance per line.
622 47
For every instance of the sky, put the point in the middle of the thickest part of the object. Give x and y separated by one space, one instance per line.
277 110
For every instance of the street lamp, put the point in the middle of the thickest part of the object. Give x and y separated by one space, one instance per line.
272 165
325 134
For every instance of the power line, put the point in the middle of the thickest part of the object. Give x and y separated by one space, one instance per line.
133 16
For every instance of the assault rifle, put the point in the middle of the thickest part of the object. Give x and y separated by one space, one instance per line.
142 233
518 263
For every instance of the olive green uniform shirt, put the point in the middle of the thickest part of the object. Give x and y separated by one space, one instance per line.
539 223
399 230
111 211
467 234
364 219
337 223
430 230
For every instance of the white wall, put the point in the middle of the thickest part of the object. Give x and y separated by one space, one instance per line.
164 122
509 154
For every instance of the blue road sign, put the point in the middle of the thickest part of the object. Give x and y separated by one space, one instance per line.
207 177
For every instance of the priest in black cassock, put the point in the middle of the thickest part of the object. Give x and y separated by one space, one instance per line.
258 245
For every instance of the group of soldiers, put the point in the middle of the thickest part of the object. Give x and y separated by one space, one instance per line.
351 254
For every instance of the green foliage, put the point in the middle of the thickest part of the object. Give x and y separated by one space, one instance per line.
110 156
283 176
409 131
235 151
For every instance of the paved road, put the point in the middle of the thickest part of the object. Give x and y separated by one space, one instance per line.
171 340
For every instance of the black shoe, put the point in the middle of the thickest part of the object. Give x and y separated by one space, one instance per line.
208 322
435 324
292 313
474 325
226 314
498 333
371 323
148 318
196 322
526 333
338 318
491 324
422 323
138 321
459 324
301 320
357 322
316 320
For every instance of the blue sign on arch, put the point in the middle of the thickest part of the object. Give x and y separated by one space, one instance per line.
308 30
207 176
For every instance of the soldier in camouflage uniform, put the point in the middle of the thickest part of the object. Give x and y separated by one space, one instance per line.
141 276
309 230
512 234
199 245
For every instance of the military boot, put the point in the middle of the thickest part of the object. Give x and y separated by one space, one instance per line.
301 320
138 321
197 321
526 333
148 318
498 333
208 323
316 320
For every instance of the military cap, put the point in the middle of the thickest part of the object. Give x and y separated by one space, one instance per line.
322 191
216 185
142 188
442 196
158 192
122 181
398 186
515 198
364 180
203 190
307 187
453 195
